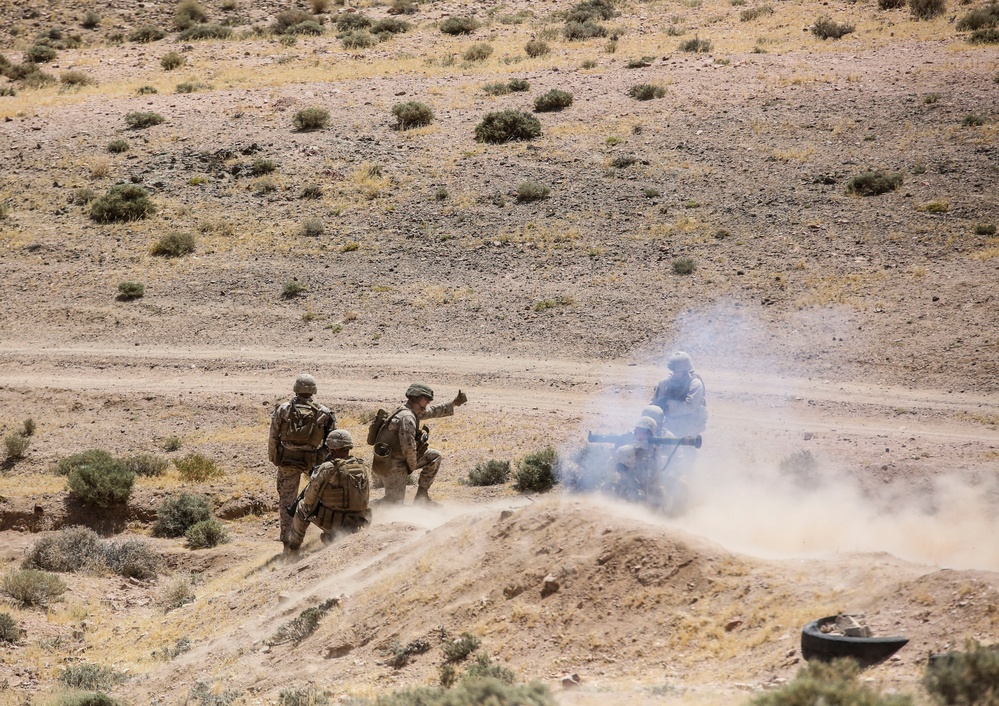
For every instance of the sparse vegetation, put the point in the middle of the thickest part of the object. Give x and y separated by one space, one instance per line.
172 60
102 483
206 534
389 26
179 513
10 632
138 120
546 304
927 9
497 88
973 121
985 229
492 472
528 191
800 466
459 25
67 465
400 653
69 549
536 472
873 183
507 126
968 678
189 12
196 468
148 465
891 4
310 696
191 87
684 266
646 91
285 20
177 593
754 13
292 289
173 244
827 28
518 85
304 625
579 31
118 146
311 119
536 47
31 587
131 558
460 648
358 39
471 691
477 52
75 79
90 676
984 36
172 443
552 101
412 114
15 446
146 34
146 91
312 191
828 683
86 698
205 31
312 228
129 290
91 20
40 54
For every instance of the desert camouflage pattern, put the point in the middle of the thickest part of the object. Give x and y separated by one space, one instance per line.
399 433
344 522
304 456
681 397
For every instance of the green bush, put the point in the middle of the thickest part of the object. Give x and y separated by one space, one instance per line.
753 13
535 48
591 10
485 668
826 28
518 85
536 472
146 34
578 31
75 79
472 691
10 632
528 191
696 45
118 146
206 534
179 513
969 678
979 18
172 60
552 101
192 87
286 19
86 699
459 25
310 696
985 229
353 20
311 119
492 472
15 445
646 91
124 202
684 266
358 39
873 183
127 291
188 13
146 464
91 20
497 88
390 25
834 684
310 27
926 9
40 54
984 36
69 549
101 484
205 31
173 244
459 649
137 120
291 289
146 91
70 463
261 166
131 558
312 191
31 587
891 4
90 676
412 114
507 126
196 468
477 52
305 624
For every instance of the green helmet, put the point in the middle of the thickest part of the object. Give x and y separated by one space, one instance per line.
680 362
339 439
305 384
419 390
648 424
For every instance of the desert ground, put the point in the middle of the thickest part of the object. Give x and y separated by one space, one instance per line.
719 219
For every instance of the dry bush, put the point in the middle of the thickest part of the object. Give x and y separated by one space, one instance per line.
389 26
873 183
646 91
827 28
90 676
984 36
754 13
15 446
192 87
358 39
696 45
412 114
891 4
69 549
40 54
591 10
30 587
304 625
131 558
535 48
528 191
103 483
173 244
80 698
403 7
552 101
460 648
118 146
829 683
286 19
124 202
172 60
129 290
969 678
497 88
311 119
10 632
197 468
320 7
979 18
310 696
927 9
684 266
353 20
492 472
146 34
292 289
578 31
507 126
189 12
312 228
179 513
459 25
138 120
75 79
472 691
477 52
312 191
518 85
206 534
148 465
537 472
91 20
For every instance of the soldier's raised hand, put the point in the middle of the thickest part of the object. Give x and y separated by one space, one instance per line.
460 399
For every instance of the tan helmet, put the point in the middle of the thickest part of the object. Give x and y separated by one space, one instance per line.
648 424
419 390
305 385
339 439
654 412
680 362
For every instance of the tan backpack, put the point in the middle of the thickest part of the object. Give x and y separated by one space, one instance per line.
346 490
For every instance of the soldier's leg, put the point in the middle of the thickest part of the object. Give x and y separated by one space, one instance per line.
288 479
395 482
429 463
299 526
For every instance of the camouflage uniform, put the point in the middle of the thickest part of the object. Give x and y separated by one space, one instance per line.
323 499
399 433
295 459
636 466
681 397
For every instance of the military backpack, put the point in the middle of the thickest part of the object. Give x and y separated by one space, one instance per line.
302 426
345 490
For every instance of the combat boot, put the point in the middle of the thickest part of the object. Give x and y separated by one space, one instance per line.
423 498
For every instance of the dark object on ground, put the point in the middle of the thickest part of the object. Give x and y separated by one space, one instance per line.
825 647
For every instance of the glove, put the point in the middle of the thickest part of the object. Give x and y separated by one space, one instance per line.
460 399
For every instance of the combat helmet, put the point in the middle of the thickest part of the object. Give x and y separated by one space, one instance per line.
655 413
648 424
305 385
339 439
680 362
419 390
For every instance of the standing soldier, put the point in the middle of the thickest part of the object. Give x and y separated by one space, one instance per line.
298 429
336 499
680 395
401 445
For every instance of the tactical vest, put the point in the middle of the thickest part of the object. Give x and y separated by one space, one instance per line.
389 435
682 395
344 490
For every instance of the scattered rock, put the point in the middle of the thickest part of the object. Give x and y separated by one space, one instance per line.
549 586
570 681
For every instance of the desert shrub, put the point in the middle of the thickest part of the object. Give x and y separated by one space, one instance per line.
578 31
202 694
827 28
206 534
801 467
642 63
10 632
754 13
985 229
311 119
552 101
528 191
984 36
304 625
67 465
179 513
69 549
131 558
28 427
173 244
189 12
290 290
459 25
390 25
192 87
926 9
696 45
311 27
492 472
459 649
118 146
312 191
507 126
873 183
496 88
94 698
91 20
472 691
82 196
589 64
261 166
973 120
310 696
969 678
129 290
146 91
828 683
196 468
75 79
40 54
484 668
312 228
536 47
591 10
90 676
891 4
177 593
979 18
138 120
353 20
287 19
15 445
400 653
412 114
518 85
477 52
358 39
146 34
172 60
403 7
536 472
646 91
7 91
31 587
101 484
146 464
684 266
31 76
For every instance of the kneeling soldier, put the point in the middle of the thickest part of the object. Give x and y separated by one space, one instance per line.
336 498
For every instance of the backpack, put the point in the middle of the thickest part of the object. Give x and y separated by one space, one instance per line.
378 423
303 424
346 490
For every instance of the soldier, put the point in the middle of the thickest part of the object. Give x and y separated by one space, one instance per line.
401 446
298 429
655 414
681 397
636 465
336 498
